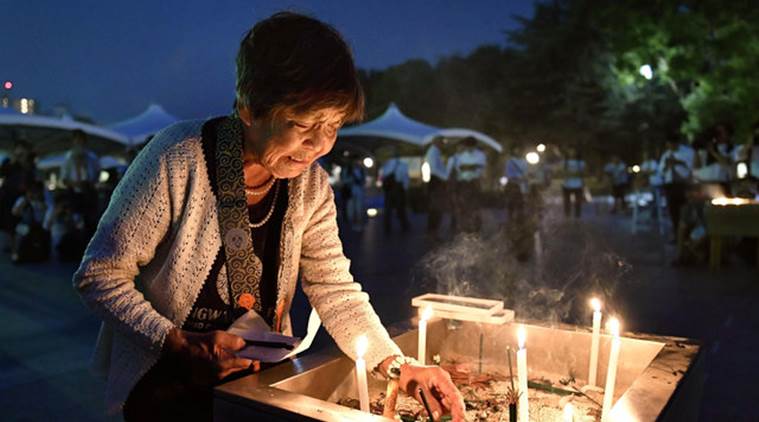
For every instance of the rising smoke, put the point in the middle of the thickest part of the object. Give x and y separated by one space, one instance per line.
553 284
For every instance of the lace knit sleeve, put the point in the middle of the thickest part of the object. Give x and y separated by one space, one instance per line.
134 223
344 309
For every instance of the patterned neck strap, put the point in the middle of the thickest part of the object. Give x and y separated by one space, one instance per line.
243 266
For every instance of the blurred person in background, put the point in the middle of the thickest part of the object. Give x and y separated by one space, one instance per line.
574 183
353 179
81 167
68 237
676 167
719 166
395 182
619 180
32 241
515 172
753 152
468 167
436 188
17 172
79 174
649 171
523 203
692 240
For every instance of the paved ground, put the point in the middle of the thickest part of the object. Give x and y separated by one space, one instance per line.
47 335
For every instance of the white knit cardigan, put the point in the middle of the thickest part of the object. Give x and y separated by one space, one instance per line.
156 243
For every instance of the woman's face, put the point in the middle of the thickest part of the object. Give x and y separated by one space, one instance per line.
289 145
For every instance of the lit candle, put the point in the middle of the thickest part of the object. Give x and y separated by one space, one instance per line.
593 368
363 388
422 340
611 374
524 407
569 413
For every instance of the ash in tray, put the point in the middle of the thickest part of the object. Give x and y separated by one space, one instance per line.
485 398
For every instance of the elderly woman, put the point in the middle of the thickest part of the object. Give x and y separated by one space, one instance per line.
220 217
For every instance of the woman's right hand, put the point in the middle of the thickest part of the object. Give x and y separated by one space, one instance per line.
208 356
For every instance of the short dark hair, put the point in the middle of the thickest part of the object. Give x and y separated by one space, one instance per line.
292 62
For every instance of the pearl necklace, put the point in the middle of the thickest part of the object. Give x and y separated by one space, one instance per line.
260 191
271 210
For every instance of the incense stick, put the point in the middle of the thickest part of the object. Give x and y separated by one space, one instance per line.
481 339
511 373
426 404
271 344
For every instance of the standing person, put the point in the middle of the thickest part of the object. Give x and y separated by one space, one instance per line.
572 189
81 166
32 241
720 156
79 174
18 172
67 235
395 182
619 179
436 188
468 166
222 218
353 179
676 169
515 172
752 149
649 169
522 205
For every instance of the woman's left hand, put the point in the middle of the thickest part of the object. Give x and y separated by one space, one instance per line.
441 394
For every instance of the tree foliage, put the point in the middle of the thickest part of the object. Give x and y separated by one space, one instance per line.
571 74
707 52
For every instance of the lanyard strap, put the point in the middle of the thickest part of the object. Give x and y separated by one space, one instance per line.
244 268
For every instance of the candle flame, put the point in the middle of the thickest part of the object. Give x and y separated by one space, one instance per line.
569 412
362 345
427 313
595 304
521 336
614 327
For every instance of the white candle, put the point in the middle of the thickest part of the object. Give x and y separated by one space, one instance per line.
363 388
593 368
524 407
611 374
422 339
569 413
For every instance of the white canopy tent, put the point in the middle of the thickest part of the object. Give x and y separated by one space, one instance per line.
50 134
459 133
140 127
393 125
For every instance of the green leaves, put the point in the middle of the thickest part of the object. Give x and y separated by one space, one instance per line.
571 74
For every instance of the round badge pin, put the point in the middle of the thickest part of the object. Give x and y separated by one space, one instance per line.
236 239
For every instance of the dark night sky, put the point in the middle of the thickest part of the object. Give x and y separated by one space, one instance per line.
109 60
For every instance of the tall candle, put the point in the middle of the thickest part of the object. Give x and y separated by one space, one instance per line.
422 339
524 407
611 374
593 368
363 388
